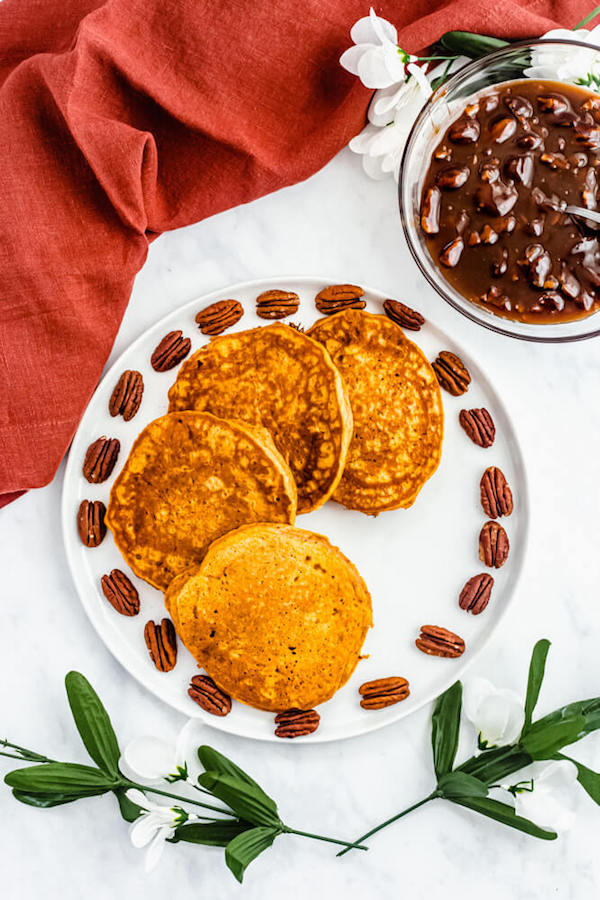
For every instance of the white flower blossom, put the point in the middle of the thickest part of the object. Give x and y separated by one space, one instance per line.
154 826
375 57
544 794
572 64
149 760
496 713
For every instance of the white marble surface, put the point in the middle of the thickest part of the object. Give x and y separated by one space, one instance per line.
339 223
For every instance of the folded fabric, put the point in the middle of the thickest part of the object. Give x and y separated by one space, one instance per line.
124 119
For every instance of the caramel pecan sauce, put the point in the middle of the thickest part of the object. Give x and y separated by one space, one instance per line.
490 207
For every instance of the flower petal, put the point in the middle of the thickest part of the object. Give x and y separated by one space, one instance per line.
372 166
136 797
148 758
361 142
155 850
373 71
186 746
362 31
351 57
383 29
552 801
142 830
419 74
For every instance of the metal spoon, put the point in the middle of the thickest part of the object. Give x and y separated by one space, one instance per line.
578 212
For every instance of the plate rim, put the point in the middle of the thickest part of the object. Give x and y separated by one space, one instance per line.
220 725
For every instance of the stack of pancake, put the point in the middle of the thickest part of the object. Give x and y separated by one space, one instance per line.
262 425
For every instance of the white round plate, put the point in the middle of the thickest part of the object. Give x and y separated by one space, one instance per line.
414 561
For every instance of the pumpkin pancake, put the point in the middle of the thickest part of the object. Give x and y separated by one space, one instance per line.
276 615
397 408
189 478
277 377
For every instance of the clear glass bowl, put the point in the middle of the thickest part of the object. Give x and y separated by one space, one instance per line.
446 103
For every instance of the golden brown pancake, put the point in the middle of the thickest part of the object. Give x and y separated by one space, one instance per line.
276 615
189 478
277 377
397 407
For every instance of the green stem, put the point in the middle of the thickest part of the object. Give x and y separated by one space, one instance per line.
395 818
320 837
587 19
26 755
152 790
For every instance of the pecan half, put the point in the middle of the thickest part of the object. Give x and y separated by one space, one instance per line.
476 593
100 459
337 297
479 426
295 723
496 496
161 641
126 398
90 522
121 593
493 545
451 373
277 304
208 696
171 350
383 692
219 316
403 315
440 642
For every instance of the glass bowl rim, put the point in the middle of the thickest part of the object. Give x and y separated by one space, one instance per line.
496 326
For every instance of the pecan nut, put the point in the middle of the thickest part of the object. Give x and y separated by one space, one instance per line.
383 692
170 351
493 545
496 496
219 316
403 315
338 297
208 696
121 593
100 459
451 373
126 398
476 593
277 304
161 641
478 425
90 522
295 723
437 641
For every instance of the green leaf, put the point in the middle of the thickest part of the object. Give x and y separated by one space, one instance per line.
45 801
588 710
542 741
537 667
496 765
93 723
59 778
129 810
211 834
244 848
469 44
213 761
587 778
445 724
505 814
246 800
456 785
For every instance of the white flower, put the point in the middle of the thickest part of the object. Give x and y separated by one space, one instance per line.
496 713
154 826
392 113
375 57
572 64
149 760
545 794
